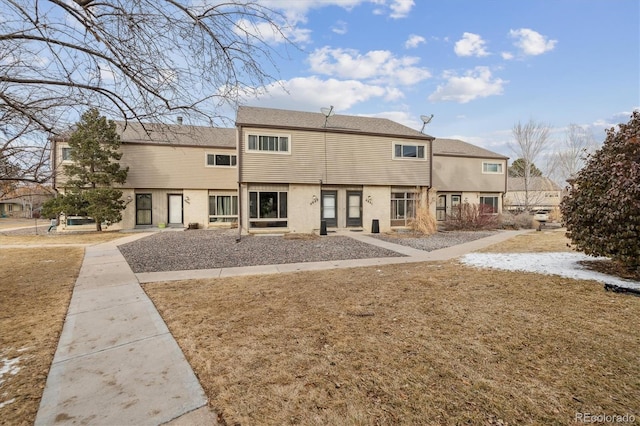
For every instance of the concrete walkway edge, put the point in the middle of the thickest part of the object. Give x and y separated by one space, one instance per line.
116 362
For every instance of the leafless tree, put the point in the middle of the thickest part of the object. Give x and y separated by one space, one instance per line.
529 139
143 60
579 142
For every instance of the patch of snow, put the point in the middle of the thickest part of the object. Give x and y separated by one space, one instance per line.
2 404
8 366
564 264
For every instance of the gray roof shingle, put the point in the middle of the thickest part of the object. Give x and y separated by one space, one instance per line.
315 121
176 134
536 183
458 148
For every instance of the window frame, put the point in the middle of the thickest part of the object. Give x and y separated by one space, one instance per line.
215 217
233 159
485 170
408 197
395 145
256 218
258 143
497 204
67 157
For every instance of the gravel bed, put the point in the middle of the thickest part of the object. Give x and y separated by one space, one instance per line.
209 249
436 241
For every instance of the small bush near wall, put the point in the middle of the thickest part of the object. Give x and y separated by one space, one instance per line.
510 220
424 223
472 217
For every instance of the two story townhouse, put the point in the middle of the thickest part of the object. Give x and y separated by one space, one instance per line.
463 172
290 171
297 169
177 175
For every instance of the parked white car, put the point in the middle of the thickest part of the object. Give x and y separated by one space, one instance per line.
541 216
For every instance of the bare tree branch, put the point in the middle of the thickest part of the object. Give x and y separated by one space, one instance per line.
579 142
142 60
529 140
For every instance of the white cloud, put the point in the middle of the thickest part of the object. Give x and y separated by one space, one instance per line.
297 10
340 27
270 34
531 43
470 45
414 41
401 8
376 65
311 93
507 56
476 83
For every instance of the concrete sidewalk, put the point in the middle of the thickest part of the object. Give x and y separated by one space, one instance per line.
116 362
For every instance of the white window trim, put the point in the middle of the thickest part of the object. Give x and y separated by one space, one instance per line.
496 196
258 134
62 159
501 172
221 216
393 151
207 154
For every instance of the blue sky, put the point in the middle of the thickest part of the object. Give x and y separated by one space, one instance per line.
478 66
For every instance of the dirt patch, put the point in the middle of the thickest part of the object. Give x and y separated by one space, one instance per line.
35 289
428 343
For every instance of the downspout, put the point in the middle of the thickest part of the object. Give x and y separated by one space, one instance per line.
54 166
506 184
430 174
239 148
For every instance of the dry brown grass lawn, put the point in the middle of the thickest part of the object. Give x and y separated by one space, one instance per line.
428 343
35 289
532 242
61 238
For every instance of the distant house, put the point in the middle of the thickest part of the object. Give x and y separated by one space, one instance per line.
543 193
463 172
24 201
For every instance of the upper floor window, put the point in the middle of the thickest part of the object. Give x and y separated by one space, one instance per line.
492 168
227 160
408 151
66 154
268 143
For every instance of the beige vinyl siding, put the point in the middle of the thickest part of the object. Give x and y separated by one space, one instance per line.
157 166
351 159
58 167
465 174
